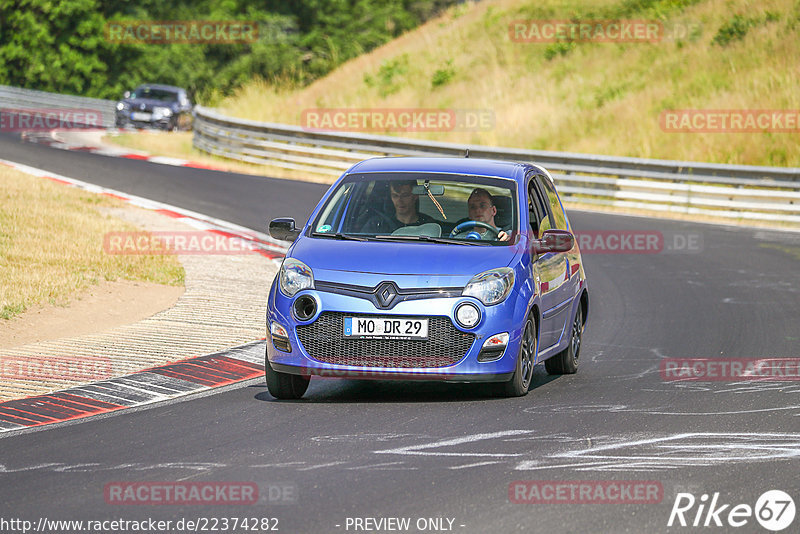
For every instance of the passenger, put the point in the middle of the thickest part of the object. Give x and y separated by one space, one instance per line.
406 210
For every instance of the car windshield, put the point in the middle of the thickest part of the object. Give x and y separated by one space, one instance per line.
407 207
155 94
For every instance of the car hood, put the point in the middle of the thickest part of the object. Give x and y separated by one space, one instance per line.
392 258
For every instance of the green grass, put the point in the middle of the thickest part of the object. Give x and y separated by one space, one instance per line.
602 98
51 245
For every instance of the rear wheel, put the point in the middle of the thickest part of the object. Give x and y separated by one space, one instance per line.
283 385
523 372
566 361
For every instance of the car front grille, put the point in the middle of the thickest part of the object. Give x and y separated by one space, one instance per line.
324 341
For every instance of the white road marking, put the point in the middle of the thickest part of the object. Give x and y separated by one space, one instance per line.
386 466
477 464
693 449
612 408
416 450
320 466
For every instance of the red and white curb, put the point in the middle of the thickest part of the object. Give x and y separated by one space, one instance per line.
160 383
260 242
149 386
50 138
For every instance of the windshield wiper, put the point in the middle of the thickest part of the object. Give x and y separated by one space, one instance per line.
339 235
427 238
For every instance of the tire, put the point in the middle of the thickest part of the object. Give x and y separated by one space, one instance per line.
283 385
523 371
566 361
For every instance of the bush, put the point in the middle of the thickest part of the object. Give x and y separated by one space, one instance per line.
444 75
733 30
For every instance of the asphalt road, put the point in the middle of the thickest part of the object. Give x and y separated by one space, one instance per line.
422 451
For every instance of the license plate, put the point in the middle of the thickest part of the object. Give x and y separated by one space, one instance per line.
385 328
139 116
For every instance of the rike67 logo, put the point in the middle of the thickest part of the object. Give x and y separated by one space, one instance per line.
774 510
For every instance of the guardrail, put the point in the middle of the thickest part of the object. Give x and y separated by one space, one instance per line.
737 191
13 99
733 191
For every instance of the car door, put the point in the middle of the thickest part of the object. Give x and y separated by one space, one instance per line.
551 269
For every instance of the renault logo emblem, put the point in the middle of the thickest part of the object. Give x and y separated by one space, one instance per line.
386 294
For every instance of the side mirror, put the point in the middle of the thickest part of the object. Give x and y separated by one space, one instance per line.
283 228
126 94
554 241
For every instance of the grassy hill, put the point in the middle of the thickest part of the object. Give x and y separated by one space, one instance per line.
594 97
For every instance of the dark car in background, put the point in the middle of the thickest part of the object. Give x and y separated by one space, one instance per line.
155 106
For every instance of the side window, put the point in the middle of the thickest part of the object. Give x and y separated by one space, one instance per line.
555 204
545 219
537 208
332 216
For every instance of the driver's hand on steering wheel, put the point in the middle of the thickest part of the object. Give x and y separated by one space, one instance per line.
502 236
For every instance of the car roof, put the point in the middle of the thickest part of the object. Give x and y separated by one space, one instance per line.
159 86
474 166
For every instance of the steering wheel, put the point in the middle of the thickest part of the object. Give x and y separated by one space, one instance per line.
380 214
466 225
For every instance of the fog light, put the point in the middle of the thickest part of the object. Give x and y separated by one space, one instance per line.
496 342
278 330
280 337
467 315
493 348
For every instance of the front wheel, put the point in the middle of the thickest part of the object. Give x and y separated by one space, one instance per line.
523 372
566 361
283 385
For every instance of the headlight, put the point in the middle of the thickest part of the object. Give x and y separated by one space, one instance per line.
295 276
159 112
492 286
121 106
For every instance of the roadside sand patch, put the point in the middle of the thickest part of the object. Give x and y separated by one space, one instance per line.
98 308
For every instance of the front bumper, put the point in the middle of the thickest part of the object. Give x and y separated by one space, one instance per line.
451 353
124 118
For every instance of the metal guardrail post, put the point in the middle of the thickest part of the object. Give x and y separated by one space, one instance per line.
15 98
747 192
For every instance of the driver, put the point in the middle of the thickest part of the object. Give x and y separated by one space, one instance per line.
482 208
406 210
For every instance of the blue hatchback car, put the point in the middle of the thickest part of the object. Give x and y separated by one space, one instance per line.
452 269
